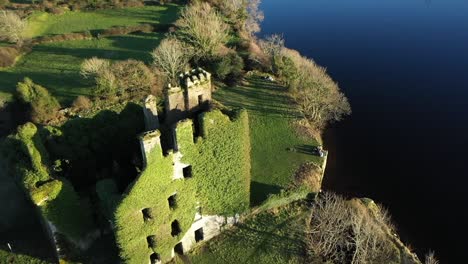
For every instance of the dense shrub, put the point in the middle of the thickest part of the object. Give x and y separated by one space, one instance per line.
82 103
43 106
8 56
133 77
228 68
129 78
93 67
12 27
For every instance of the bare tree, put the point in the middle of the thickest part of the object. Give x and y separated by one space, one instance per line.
346 232
235 11
12 27
328 225
90 68
171 57
203 28
318 96
431 259
272 45
254 18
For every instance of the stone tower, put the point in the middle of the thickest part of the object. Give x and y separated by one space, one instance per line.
151 113
192 95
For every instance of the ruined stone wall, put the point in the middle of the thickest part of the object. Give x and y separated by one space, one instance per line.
151 113
193 94
210 176
175 104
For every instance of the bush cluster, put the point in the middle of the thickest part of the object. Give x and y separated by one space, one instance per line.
129 78
43 106
8 56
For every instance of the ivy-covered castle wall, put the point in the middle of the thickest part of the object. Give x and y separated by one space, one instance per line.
26 158
161 206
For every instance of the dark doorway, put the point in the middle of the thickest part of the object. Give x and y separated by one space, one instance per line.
151 241
172 201
200 99
187 172
199 235
175 228
179 249
155 258
147 214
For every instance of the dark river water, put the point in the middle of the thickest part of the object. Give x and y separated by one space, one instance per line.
404 66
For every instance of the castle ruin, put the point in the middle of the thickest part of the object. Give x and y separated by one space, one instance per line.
186 192
191 95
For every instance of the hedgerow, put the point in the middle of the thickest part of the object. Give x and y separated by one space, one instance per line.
219 184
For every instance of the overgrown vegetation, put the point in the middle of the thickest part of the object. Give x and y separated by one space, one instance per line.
317 95
12 27
27 159
11 258
220 183
43 106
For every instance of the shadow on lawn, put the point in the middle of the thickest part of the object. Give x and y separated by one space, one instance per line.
137 46
259 192
306 149
265 234
167 15
260 96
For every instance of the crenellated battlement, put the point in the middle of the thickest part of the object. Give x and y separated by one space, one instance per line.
192 93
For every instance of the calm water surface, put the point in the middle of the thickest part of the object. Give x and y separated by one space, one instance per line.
404 66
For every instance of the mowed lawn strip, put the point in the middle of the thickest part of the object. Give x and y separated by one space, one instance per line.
271 114
42 23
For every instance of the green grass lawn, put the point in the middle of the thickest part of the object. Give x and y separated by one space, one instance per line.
271 112
42 23
56 66
274 236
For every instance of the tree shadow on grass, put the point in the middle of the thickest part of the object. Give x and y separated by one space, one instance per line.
136 46
306 149
165 16
259 192
266 233
265 98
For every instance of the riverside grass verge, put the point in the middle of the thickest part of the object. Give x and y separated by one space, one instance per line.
271 114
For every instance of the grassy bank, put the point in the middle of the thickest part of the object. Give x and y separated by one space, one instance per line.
271 113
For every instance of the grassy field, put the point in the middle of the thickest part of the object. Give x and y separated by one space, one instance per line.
42 23
273 236
56 66
271 113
